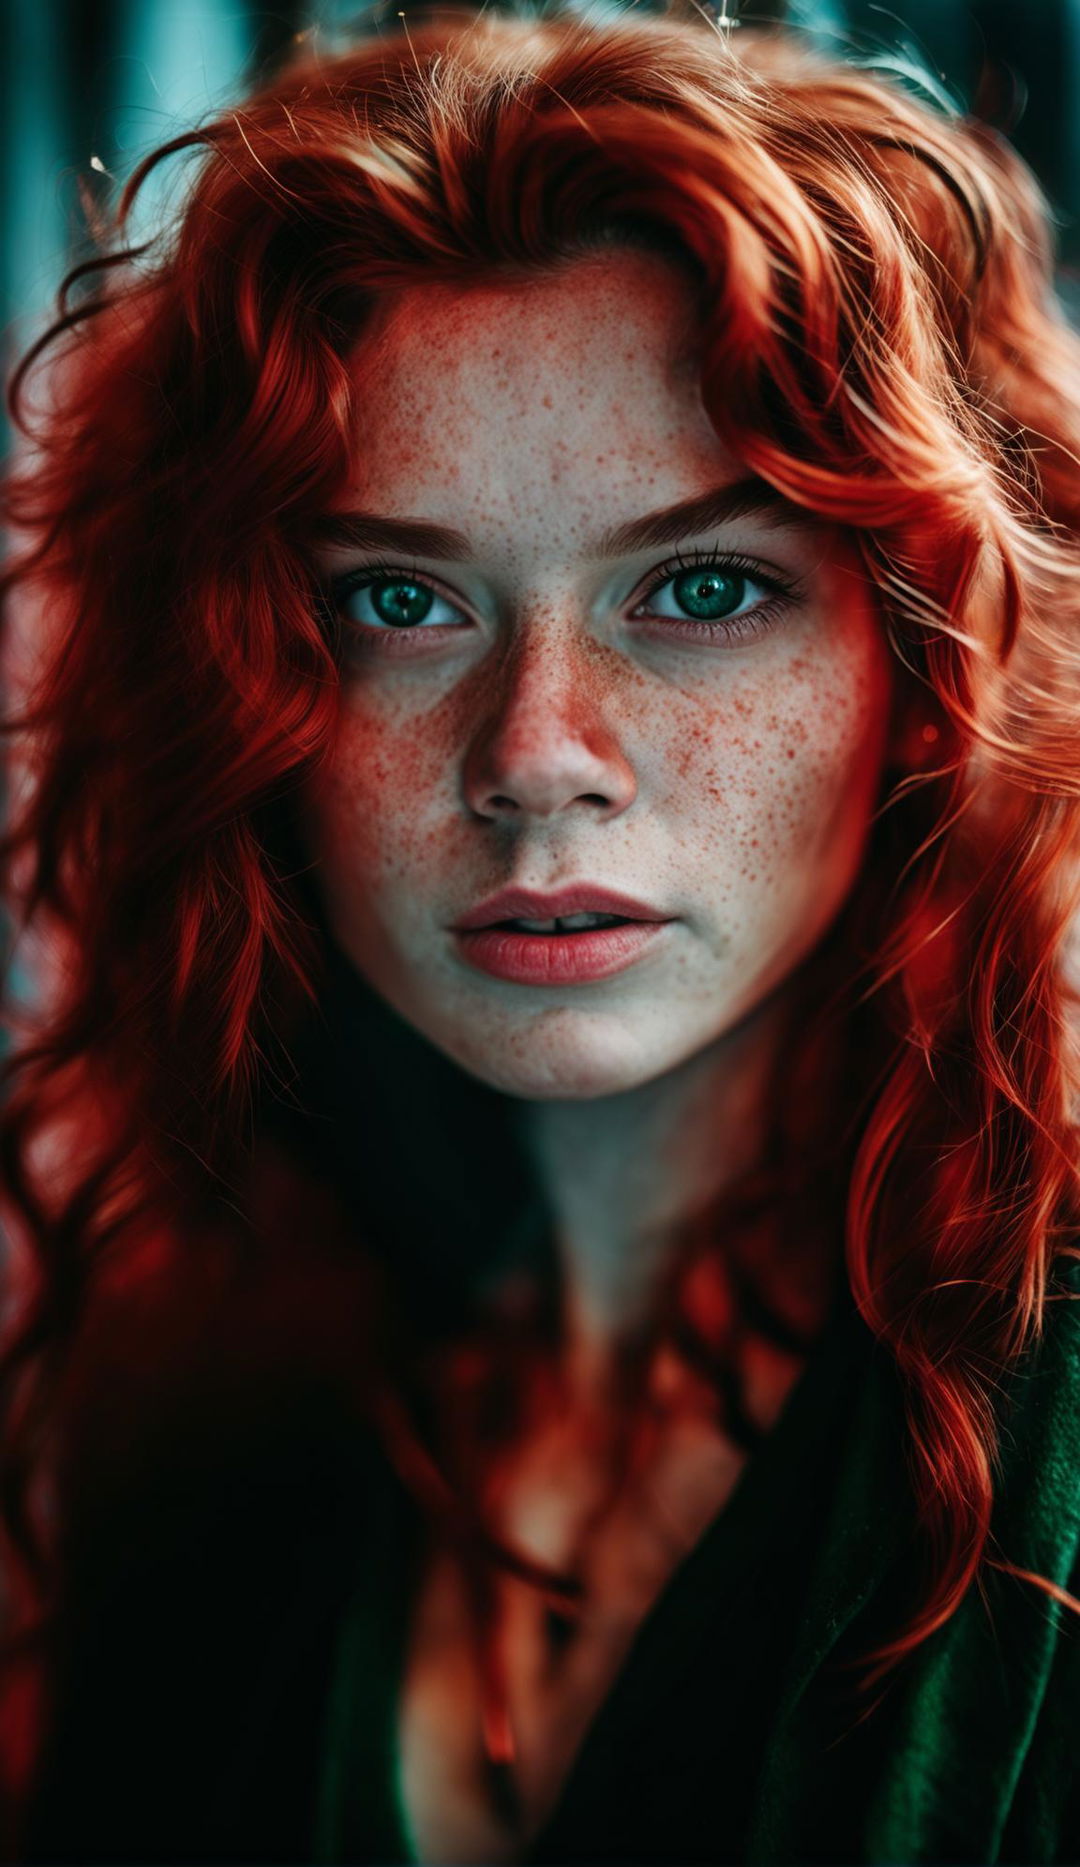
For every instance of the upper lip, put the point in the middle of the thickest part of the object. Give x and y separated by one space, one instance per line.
577 898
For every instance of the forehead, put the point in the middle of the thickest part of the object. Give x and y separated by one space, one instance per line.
580 384
569 320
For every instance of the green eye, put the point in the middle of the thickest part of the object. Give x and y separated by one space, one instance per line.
401 603
391 602
721 597
709 594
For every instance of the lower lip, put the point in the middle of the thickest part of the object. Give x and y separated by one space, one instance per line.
558 959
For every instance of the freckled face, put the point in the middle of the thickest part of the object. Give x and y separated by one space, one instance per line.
555 704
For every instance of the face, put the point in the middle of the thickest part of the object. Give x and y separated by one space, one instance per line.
548 687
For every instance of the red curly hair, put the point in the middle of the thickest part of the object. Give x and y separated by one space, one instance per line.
879 341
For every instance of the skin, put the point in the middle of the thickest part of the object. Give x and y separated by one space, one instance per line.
547 731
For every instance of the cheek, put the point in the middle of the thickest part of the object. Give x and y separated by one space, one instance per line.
777 782
379 811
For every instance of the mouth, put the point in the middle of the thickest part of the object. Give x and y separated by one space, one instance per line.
580 935
577 908
564 924
580 947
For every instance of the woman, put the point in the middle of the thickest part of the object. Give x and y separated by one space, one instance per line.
546 1180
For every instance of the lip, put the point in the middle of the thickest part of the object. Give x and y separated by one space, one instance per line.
558 959
575 898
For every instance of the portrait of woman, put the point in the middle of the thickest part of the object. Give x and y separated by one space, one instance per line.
542 1179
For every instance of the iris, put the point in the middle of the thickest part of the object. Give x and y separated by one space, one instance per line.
401 603
708 594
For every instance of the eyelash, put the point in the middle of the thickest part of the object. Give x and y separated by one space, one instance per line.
750 623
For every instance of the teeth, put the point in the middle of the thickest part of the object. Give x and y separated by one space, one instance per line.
568 923
573 922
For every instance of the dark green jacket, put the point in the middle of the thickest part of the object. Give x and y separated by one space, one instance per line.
225 1671
733 1732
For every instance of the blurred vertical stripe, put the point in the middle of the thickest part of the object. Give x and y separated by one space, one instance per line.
36 143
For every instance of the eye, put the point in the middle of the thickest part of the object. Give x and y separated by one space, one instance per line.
718 594
392 600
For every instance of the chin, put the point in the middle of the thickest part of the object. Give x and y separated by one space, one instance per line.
562 1055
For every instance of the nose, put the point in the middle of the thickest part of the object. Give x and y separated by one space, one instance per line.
542 743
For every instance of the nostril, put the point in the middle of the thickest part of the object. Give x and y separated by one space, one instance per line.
543 779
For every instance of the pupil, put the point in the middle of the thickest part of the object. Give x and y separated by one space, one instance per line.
403 604
709 594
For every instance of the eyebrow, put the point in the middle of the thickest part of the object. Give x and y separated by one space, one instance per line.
366 531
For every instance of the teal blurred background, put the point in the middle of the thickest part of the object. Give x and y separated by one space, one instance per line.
91 85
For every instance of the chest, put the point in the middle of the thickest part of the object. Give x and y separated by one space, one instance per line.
557 1669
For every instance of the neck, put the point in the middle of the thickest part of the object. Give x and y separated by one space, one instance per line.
623 1174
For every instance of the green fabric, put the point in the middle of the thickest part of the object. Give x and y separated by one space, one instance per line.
357 1794
976 1757
997 1690
985 1743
